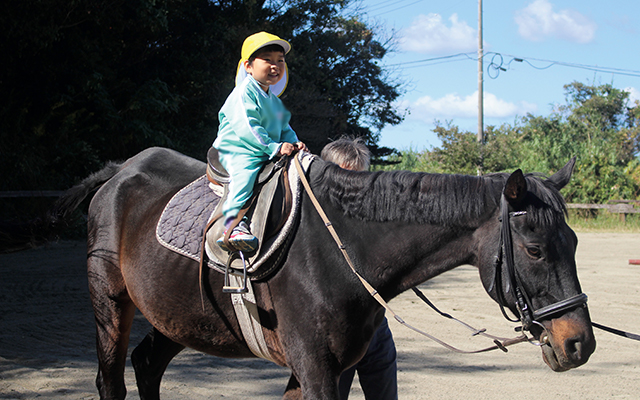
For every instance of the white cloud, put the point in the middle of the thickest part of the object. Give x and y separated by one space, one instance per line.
430 34
455 106
634 94
539 21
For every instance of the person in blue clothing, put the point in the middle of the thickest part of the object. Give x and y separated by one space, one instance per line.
377 370
254 128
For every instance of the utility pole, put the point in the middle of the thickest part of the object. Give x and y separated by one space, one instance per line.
480 90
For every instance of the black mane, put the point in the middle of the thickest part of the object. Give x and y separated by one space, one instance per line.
424 198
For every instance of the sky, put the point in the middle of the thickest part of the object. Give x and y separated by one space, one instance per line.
532 48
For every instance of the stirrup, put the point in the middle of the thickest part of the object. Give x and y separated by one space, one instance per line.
227 288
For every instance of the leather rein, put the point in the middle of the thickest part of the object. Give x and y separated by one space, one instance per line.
527 315
499 342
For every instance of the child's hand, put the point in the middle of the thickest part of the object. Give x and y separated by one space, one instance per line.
302 147
286 149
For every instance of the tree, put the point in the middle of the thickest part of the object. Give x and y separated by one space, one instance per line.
597 125
86 81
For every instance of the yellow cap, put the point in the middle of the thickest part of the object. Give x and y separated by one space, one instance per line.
252 44
260 40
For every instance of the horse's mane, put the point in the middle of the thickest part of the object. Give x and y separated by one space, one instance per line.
441 199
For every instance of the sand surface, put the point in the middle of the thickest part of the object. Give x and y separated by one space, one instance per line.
47 346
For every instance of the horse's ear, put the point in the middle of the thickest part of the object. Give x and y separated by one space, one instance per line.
562 177
516 188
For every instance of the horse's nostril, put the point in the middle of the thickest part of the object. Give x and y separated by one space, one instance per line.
573 349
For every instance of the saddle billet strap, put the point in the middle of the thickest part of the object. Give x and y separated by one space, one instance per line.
374 293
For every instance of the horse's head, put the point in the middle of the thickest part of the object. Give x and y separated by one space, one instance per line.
527 265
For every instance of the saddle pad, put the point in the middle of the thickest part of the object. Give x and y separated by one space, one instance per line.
182 223
184 218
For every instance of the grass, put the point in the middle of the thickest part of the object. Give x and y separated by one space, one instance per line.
603 221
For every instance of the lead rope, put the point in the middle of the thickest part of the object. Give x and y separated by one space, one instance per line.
502 345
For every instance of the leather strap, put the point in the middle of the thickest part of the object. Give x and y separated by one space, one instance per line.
502 345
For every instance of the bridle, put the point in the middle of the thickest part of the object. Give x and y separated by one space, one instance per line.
527 315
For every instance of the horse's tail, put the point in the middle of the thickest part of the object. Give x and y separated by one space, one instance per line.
72 198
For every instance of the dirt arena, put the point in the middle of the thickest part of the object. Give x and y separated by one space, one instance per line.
47 337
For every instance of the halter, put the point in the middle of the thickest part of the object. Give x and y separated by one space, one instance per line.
527 315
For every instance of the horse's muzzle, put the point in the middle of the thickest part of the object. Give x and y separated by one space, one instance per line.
568 343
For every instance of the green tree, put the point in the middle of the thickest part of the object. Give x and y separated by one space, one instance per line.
85 81
597 125
461 153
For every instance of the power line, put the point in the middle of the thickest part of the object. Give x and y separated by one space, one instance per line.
383 5
432 59
394 9
495 68
498 65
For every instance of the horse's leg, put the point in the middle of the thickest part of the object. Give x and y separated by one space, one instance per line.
293 391
150 359
312 380
114 312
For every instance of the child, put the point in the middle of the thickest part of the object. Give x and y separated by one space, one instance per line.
377 370
254 127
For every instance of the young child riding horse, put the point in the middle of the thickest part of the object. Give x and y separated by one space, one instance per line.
254 128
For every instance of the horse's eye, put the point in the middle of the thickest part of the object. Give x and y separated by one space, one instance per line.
534 251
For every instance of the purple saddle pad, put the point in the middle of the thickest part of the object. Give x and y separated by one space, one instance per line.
181 225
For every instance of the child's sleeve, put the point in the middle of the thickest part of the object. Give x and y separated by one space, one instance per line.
246 122
289 135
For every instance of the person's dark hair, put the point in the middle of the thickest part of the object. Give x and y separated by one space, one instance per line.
348 153
266 49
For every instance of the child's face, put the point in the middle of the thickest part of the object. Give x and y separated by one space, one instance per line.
267 68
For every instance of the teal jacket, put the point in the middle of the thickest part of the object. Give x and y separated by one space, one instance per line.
253 122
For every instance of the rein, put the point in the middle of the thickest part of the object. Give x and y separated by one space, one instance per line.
500 343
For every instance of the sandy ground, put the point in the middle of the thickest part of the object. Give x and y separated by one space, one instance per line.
47 345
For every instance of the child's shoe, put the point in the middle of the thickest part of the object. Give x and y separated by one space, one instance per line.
241 239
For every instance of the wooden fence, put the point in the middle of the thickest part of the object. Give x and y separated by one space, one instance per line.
622 207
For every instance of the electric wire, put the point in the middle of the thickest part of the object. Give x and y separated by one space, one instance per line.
497 64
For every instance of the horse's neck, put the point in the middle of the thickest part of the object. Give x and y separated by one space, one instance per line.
401 256
397 250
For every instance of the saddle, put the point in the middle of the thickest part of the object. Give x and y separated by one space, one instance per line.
267 211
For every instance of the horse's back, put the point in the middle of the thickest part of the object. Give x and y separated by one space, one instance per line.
165 164
153 173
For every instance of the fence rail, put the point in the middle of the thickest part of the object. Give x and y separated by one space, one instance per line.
621 207
616 206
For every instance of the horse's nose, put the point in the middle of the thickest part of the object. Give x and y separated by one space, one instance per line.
577 349
573 349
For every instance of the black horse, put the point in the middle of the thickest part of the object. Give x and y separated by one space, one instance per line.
400 229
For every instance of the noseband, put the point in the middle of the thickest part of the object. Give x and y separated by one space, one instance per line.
527 315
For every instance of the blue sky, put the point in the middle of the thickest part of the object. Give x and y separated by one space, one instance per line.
585 34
